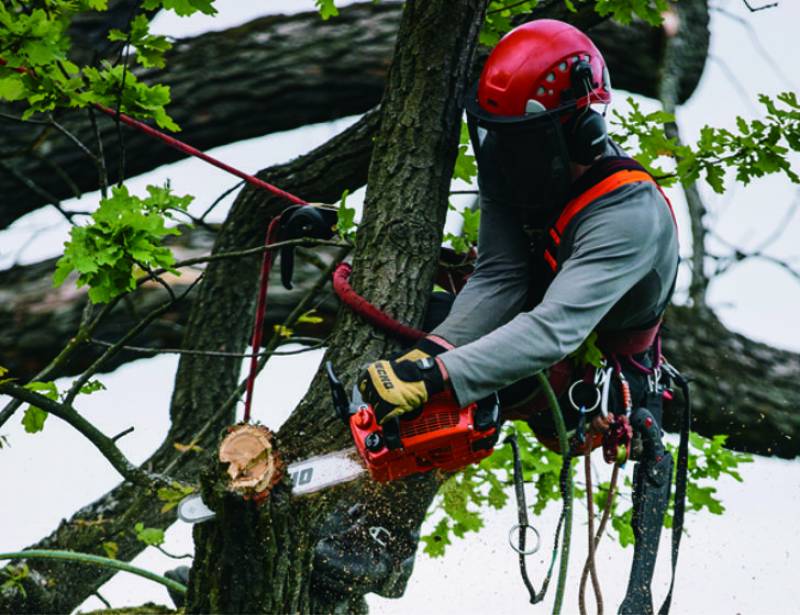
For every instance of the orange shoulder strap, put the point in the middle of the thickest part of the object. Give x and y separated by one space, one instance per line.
579 203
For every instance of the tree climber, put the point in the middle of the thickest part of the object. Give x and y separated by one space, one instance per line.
575 238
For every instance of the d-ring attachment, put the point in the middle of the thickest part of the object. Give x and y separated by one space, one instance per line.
582 407
515 547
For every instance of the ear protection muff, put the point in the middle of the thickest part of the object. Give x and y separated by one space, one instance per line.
585 132
586 136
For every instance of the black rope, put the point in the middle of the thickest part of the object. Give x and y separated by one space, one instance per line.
680 483
522 520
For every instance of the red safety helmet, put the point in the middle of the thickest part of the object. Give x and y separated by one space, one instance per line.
529 115
543 65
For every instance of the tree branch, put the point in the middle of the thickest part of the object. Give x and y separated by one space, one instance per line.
67 413
343 64
676 48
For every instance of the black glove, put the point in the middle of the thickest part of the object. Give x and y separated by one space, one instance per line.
396 387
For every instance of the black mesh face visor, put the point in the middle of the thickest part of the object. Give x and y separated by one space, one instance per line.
529 151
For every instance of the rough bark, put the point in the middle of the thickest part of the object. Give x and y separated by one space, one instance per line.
220 321
289 71
268 551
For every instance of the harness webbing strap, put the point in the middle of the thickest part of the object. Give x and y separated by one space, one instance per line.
609 184
582 201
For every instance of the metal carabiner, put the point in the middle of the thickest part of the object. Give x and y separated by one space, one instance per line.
606 381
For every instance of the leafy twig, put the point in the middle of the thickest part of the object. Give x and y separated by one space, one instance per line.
97 560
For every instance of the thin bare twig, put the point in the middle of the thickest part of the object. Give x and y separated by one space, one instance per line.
194 219
157 278
219 199
114 349
314 343
84 332
14 118
99 596
118 105
724 263
101 156
172 555
743 92
248 252
507 7
763 7
298 310
78 143
780 229
123 433
37 189
773 64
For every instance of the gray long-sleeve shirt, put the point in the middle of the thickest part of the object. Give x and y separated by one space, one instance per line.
618 261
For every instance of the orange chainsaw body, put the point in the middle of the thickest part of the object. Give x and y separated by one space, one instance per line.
441 436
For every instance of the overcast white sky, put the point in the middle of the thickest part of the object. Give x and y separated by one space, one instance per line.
744 561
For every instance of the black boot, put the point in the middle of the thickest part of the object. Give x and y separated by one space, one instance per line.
651 488
361 555
181 575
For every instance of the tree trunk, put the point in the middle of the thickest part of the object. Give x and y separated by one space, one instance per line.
308 71
259 560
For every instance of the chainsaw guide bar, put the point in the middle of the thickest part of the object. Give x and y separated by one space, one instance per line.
308 476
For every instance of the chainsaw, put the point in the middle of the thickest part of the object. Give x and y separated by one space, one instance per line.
437 436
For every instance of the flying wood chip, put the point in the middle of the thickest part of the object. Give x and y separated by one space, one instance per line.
254 466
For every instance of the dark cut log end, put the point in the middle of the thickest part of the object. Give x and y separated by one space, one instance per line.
254 467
